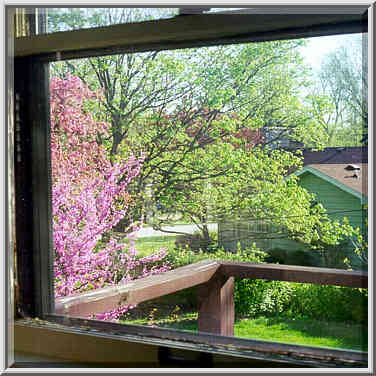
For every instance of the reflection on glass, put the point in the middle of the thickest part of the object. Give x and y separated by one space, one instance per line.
65 19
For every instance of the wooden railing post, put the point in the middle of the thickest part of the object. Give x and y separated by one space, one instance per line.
216 312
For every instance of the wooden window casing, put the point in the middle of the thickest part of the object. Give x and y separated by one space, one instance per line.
33 181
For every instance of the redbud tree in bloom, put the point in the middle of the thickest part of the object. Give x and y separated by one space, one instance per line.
89 197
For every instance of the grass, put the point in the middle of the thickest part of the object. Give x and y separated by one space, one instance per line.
181 221
149 245
172 223
278 329
304 331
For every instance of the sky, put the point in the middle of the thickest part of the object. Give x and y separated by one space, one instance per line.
318 47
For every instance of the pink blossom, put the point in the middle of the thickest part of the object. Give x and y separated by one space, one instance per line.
89 197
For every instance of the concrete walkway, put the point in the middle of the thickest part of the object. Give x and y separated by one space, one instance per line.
188 229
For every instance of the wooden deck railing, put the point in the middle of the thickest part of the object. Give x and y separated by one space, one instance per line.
215 281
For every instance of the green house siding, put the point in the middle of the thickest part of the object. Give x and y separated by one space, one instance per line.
245 233
336 201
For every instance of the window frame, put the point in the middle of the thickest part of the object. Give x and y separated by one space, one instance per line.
33 55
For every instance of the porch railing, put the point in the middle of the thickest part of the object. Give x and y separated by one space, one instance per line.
215 281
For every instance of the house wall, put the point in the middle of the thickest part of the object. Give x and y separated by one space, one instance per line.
245 233
337 202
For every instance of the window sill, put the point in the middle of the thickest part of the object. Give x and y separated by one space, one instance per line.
74 346
88 347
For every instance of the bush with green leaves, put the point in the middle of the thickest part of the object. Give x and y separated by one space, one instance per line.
260 297
177 257
303 257
331 303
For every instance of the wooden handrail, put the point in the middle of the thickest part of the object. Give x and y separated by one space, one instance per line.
137 291
216 289
293 273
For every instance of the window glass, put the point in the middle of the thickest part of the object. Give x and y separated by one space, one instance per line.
215 10
239 153
65 19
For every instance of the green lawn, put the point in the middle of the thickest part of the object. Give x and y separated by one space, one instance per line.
148 245
304 331
171 223
294 331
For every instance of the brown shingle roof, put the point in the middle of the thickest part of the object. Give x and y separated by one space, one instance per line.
338 172
336 155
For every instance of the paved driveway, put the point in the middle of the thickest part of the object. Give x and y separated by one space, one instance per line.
188 229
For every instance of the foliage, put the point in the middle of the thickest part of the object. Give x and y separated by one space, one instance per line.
255 297
61 19
359 241
89 197
189 125
328 237
196 242
332 303
177 257
338 100
199 116
302 257
302 300
331 239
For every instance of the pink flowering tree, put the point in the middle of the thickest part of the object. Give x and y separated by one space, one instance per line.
89 197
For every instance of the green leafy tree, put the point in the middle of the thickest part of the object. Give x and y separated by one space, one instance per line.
254 186
339 99
62 19
196 115
359 242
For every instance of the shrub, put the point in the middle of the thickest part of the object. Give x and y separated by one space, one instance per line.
192 241
299 257
332 303
260 297
177 257
196 242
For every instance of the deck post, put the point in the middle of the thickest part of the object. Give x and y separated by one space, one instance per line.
216 313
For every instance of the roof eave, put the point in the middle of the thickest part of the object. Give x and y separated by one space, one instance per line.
329 179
